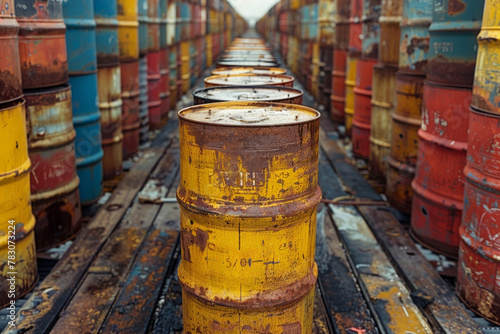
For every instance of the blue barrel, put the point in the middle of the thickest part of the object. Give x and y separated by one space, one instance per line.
163 24
178 22
82 65
186 20
453 46
314 28
371 29
142 17
106 35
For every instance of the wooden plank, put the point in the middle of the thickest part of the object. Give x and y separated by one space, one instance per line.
41 310
393 308
444 308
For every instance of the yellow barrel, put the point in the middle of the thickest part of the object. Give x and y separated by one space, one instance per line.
384 95
185 66
210 58
350 82
16 219
248 197
315 72
128 30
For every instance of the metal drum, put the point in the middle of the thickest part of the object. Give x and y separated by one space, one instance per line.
128 30
438 189
154 90
248 70
370 29
342 25
350 82
54 181
384 95
185 66
194 68
42 43
10 73
390 30
249 80
143 20
172 56
143 99
485 95
15 205
406 122
248 200
247 63
153 25
338 86
108 83
478 261
131 121
248 93
362 108
355 28
171 20
453 48
414 41
210 57
164 85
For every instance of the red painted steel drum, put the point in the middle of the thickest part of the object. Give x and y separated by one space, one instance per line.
154 90
438 186
361 123
131 121
355 28
338 86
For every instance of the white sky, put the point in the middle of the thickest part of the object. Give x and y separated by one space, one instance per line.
252 10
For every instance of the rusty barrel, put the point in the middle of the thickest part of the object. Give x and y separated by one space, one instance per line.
350 82
54 181
42 43
485 95
356 27
338 86
342 25
383 102
248 93
143 99
249 80
249 209
108 83
438 189
154 89
453 47
370 29
414 41
406 122
10 72
143 21
184 55
478 261
15 206
164 85
153 25
390 19
248 70
210 57
128 30
361 123
172 56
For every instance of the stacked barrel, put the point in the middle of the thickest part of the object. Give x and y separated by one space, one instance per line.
406 118
364 79
479 249
327 14
143 21
17 223
55 196
164 64
153 56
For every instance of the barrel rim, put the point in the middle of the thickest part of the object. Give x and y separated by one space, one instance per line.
287 78
296 90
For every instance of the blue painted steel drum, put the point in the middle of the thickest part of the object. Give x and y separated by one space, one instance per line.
106 35
186 20
142 17
414 41
163 24
371 29
453 46
86 120
178 22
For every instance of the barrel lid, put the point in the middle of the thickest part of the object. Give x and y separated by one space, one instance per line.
249 114
248 93
246 63
248 70
248 79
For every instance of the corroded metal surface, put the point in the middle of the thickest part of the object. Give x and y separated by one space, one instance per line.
453 45
143 99
54 181
370 29
247 63
10 73
185 70
130 107
338 86
414 41
406 122
384 95
249 80
361 123
42 43
143 20
248 70
154 89
15 205
390 19
251 215
248 93
438 190
128 30
342 24
478 262
350 82
105 16
355 28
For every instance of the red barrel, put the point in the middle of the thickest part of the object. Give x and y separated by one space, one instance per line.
362 108
131 121
338 86
154 90
356 27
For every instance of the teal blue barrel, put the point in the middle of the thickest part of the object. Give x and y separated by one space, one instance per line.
414 41
313 23
178 22
186 21
453 47
82 65
142 17
304 26
163 23
371 29
106 34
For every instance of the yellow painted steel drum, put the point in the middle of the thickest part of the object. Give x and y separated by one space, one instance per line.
185 66
128 30
208 51
350 82
315 69
248 197
15 204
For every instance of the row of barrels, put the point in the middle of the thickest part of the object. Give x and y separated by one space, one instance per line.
415 85
248 197
82 83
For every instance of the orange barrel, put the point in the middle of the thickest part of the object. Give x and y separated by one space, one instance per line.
131 121
478 257
338 86
414 41
172 63
54 181
10 74
255 226
143 99
361 123
154 90
248 70
350 82
164 84
384 95
15 206
390 19
249 80
248 93
438 188
406 122
355 27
